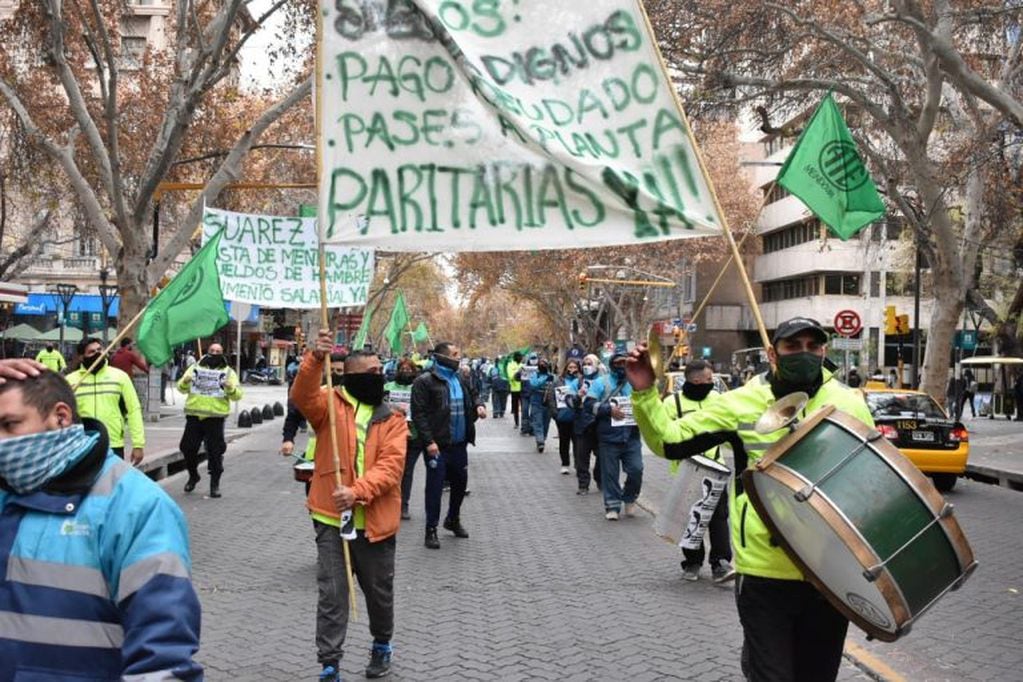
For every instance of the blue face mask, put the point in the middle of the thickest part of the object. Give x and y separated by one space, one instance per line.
28 462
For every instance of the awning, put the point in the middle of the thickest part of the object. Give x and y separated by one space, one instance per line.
992 360
25 332
42 303
13 293
71 334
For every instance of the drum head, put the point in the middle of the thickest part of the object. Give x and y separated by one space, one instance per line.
837 571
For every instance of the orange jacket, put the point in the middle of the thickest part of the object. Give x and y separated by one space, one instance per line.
378 489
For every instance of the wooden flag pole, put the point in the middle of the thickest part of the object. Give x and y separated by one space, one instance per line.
120 335
710 184
324 320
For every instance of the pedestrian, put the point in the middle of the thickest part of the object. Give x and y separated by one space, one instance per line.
527 372
211 385
790 630
295 420
564 416
371 453
514 372
129 360
97 569
1017 392
106 394
618 447
399 397
499 387
541 396
444 412
854 380
697 394
52 358
969 390
584 428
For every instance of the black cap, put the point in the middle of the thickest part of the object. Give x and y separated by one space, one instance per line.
796 325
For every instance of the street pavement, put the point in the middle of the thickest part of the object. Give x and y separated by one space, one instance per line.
545 588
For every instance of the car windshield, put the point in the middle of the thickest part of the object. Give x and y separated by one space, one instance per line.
904 405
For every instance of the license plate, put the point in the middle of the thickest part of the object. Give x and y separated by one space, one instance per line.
924 436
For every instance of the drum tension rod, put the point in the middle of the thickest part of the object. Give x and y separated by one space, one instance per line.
872 573
803 494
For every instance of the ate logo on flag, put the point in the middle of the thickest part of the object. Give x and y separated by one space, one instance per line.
842 166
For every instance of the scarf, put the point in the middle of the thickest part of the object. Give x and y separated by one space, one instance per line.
28 462
456 401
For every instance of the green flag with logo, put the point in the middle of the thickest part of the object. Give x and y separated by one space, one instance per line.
397 324
502 366
420 334
190 307
360 336
826 172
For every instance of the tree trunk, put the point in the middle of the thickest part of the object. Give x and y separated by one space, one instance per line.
944 319
132 281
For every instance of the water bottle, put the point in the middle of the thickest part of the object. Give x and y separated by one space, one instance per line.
431 461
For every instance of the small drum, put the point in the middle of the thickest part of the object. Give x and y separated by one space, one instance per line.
691 500
865 526
303 471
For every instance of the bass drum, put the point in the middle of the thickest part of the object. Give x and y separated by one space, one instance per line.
865 526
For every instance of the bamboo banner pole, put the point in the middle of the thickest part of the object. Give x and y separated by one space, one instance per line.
710 184
120 335
324 321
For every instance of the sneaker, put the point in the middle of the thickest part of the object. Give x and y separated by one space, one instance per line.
539 447
565 471
582 491
431 541
611 515
329 673
630 509
405 516
691 573
455 526
379 661
722 571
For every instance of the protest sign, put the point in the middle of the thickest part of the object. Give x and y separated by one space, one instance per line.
625 405
273 261
208 382
401 398
561 394
490 125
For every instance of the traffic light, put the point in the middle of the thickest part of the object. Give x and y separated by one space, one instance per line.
583 280
902 324
891 322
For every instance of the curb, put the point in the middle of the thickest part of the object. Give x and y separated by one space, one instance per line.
170 462
1012 480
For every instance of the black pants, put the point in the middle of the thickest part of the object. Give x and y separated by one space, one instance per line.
208 431
717 534
565 436
413 448
585 445
790 631
500 399
373 566
967 399
524 407
515 395
452 466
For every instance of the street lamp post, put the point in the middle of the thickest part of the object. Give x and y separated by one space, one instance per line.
106 296
65 293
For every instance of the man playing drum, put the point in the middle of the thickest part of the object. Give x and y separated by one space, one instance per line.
791 632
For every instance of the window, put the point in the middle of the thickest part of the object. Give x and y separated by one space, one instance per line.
785 289
792 236
841 284
133 48
777 193
898 284
875 284
85 245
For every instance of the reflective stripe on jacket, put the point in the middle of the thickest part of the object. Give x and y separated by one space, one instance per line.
203 406
736 412
679 406
109 397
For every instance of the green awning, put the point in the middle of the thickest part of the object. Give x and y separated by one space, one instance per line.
72 334
23 331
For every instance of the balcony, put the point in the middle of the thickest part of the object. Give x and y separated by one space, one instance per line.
147 8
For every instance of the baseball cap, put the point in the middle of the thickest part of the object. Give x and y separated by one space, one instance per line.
796 325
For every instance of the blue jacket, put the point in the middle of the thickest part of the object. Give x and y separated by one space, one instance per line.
567 414
598 402
583 419
536 388
95 578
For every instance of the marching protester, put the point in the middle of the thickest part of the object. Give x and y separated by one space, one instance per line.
790 631
526 374
211 385
541 395
52 358
499 387
371 441
404 375
618 443
696 394
294 420
584 428
564 416
106 394
444 412
512 369
97 578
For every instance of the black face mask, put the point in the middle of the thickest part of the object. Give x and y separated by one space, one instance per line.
365 387
404 378
214 361
697 392
445 361
50 348
337 379
89 359
797 372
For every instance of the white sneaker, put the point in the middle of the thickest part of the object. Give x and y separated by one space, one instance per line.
565 471
630 509
611 515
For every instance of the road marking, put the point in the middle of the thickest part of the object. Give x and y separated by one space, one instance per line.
871 664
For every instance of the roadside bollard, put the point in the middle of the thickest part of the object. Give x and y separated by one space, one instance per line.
256 415
268 413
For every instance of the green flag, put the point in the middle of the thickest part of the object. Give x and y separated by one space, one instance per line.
502 366
826 172
190 307
397 324
360 336
420 335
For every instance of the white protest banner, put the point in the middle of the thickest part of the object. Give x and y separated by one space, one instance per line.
501 125
401 398
561 394
272 261
208 382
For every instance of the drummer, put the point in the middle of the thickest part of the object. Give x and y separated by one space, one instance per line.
790 631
